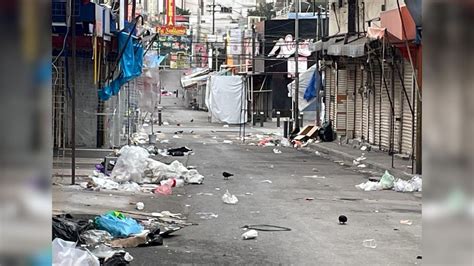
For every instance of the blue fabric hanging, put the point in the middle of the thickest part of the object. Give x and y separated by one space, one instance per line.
313 88
131 66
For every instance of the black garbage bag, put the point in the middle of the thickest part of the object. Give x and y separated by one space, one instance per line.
68 229
326 133
179 151
118 259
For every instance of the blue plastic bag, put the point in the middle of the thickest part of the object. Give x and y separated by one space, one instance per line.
117 224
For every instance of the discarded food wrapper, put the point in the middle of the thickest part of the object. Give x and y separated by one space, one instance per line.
93 237
407 222
266 181
369 243
229 198
228 142
250 234
140 206
277 151
207 215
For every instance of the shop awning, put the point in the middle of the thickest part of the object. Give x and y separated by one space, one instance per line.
355 47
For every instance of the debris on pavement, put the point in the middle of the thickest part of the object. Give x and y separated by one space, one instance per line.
207 215
315 176
179 151
361 166
277 151
205 194
130 242
117 224
227 141
176 137
69 230
229 198
140 206
412 185
266 228
342 219
386 182
407 222
131 164
369 243
250 234
164 189
93 237
266 181
66 253
119 258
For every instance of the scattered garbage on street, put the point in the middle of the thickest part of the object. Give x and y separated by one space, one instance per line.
388 181
228 198
369 243
250 234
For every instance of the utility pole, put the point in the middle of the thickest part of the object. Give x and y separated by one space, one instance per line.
253 73
73 93
297 78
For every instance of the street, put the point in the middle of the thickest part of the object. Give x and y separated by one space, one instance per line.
305 192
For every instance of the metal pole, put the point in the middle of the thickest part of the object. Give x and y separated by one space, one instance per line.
73 94
253 70
278 118
297 78
213 16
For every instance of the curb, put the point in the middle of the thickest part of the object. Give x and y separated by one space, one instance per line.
370 164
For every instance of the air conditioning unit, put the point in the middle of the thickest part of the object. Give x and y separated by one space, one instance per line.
253 20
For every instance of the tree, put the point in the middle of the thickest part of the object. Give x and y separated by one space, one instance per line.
263 10
182 12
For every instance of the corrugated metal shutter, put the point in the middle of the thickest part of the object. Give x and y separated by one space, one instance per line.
358 74
398 112
374 117
341 115
350 120
385 110
330 82
365 107
407 119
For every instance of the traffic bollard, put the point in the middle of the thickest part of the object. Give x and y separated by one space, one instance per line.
285 129
278 118
261 119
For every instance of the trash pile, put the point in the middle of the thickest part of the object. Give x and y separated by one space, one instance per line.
388 181
134 170
100 241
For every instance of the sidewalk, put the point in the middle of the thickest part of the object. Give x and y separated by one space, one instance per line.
376 159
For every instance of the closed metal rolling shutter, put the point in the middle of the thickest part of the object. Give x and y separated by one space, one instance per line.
350 119
358 74
341 101
398 105
407 119
330 82
374 118
365 106
385 110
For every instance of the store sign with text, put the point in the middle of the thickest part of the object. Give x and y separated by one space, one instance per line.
172 30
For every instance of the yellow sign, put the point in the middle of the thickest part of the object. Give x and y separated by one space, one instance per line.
172 30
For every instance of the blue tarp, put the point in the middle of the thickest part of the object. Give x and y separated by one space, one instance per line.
131 65
313 87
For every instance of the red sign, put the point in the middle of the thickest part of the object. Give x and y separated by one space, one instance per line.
170 12
172 30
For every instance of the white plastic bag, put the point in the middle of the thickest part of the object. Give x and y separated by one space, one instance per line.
414 184
387 180
65 253
131 164
91 237
250 234
229 198
370 186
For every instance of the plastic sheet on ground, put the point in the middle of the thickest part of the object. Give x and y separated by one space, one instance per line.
65 253
92 237
117 224
370 186
131 164
412 185
158 171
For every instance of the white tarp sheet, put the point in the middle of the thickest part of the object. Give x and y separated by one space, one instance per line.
226 99
305 78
